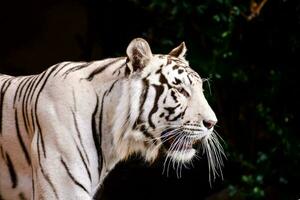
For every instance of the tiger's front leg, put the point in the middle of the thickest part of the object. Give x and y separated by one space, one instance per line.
58 172
58 176
66 148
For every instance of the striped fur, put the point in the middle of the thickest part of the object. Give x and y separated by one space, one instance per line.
62 131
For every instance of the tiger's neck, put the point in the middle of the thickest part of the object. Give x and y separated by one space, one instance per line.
117 103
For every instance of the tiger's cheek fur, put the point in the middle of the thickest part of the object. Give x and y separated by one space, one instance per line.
172 109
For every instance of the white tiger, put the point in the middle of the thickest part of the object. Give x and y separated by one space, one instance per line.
64 130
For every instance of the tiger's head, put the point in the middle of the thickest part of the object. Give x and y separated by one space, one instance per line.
168 110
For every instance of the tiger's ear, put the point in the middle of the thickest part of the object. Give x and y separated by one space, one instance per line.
179 51
139 53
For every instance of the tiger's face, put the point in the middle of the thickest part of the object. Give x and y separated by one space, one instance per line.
182 113
173 113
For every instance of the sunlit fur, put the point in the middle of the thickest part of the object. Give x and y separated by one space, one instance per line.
62 131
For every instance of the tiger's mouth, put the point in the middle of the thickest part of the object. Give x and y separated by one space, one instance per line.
182 143
179 142
181 147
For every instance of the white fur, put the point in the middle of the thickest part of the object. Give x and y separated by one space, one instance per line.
183 156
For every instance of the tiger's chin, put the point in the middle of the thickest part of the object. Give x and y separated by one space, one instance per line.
183 153
182 156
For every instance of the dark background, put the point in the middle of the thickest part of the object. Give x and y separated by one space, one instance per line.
253 66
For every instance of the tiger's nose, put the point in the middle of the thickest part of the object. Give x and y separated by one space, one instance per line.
209 124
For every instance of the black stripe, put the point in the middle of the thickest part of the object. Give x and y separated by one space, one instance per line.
72 177
44 83
9 82
171 111
38 148
177 81
32 119
32 182
37 83
119 68
79 136
159 70
112 86
176 117
127 70
84 163
61 67
19 86
74 100
40 133
101 68
35 107
2 94
144 95
159 90
2 152
163 80
174 96
100 129
175 67
189 79
34 113
26 101
183 113
12 172
24 112
128 113
97 133
143 129
20 139
77 67
46 177
22 87
96 136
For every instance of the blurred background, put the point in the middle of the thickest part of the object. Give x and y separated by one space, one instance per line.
248 49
